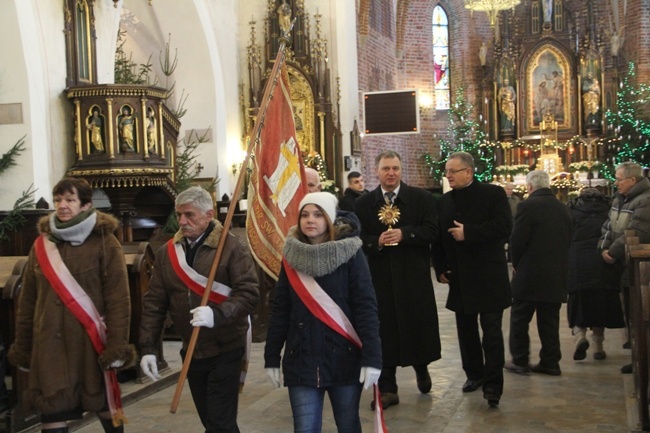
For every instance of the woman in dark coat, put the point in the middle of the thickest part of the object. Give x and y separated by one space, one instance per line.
66 375
594 300
317 359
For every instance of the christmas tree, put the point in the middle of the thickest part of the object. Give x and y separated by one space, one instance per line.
628 135
465 135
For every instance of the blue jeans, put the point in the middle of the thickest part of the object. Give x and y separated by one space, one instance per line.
307 408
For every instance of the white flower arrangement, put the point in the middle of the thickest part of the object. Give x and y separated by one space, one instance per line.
328 185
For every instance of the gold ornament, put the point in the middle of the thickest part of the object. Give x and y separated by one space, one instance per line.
389 215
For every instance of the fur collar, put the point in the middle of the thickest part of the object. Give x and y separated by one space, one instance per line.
211 241
106 224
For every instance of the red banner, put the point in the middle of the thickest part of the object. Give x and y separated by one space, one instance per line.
276 185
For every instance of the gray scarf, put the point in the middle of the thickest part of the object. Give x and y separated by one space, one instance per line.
75 234
320 259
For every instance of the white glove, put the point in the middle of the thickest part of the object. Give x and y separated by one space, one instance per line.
369 376
203 316
117 364
149 367
274 375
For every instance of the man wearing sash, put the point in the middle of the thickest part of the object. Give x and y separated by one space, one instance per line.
399 259
72 325
177 284
325 316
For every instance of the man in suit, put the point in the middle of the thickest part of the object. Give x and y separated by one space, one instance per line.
539 245
399 262
475 223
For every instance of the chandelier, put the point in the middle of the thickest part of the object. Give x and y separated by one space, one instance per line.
491 7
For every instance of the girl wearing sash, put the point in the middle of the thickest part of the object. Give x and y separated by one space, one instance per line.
72 325
325 315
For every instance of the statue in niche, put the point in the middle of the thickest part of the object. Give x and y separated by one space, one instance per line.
507 105
152 137
95 126
482 53
126 125
284 16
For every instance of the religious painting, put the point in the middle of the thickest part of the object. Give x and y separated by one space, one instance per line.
548 88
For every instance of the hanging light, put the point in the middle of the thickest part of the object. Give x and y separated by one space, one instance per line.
491 7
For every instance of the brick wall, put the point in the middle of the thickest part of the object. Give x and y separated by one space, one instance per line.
391 63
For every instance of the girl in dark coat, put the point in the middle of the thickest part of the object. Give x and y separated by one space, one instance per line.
318 359
594 300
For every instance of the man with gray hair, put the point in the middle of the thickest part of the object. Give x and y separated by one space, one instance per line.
475 223
539 245
180 275
630 211
313 179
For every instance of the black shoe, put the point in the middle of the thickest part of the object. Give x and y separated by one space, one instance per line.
471 385
492 398
387 399
424 381
514 368
539 368
599 356
581 350
627 369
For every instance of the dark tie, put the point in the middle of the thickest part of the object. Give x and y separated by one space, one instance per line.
389 197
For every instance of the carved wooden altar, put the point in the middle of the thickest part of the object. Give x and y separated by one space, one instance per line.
553 63
317 128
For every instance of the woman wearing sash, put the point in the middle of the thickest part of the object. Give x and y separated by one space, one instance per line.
325 314
75 274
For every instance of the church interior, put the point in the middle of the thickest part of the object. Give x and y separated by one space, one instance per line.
144 98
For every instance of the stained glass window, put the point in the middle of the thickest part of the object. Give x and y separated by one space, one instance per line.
441 58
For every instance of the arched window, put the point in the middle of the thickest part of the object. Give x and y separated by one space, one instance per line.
80 42
440 27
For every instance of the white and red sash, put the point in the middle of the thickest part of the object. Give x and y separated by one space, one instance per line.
76 299
192 279
323 307
218 293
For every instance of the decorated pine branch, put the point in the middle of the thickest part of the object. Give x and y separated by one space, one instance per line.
9 158
628 133
465 135
14 219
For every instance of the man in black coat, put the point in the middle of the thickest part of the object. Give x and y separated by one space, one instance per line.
401 273
356 188
475 222
539 245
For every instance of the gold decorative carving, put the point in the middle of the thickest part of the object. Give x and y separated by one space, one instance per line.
302 100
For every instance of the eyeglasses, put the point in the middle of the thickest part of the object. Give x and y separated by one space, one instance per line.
618 180
452 171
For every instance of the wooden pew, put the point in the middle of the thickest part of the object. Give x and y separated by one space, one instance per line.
139 257
637 266
11 272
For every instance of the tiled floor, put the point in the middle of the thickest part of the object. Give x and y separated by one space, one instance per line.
590 396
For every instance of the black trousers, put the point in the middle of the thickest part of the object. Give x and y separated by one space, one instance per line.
214 384
548 327
388 378
482 359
